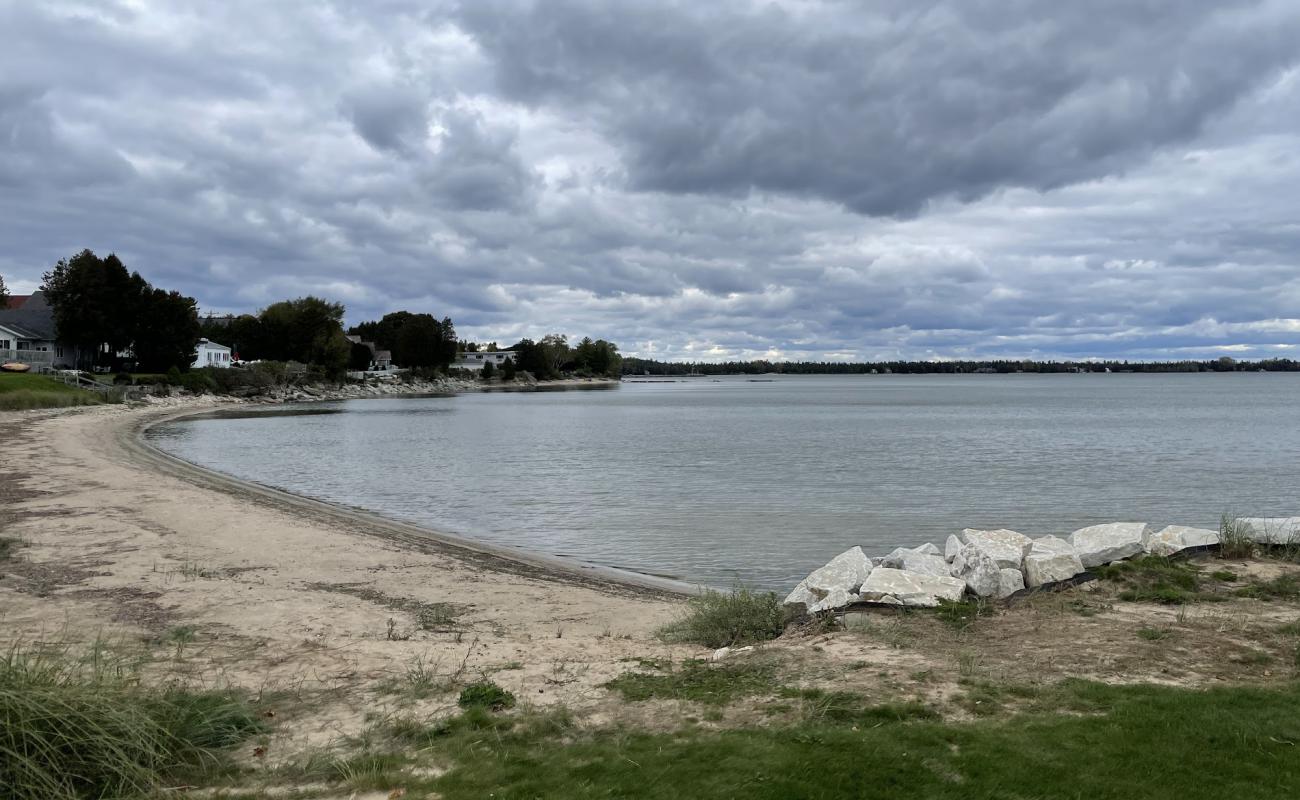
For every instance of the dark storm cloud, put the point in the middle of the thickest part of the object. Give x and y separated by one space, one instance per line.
693 180
884 106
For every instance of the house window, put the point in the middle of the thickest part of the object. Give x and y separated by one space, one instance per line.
4 344
58 352
24 345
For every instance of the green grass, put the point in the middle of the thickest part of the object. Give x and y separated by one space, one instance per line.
1153 634
711 684
1245 741
485 694
738 617
1283 587
961 615
1154 579
25 391
850 708
1235 540
74 728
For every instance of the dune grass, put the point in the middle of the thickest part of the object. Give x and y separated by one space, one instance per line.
79 727
25 391
728 619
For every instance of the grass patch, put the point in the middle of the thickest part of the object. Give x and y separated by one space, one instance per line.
1224 575
1235 540
961 615
738 617
710 684
1283 587
1245 740
1154 579
87 728
26 391
1153 634
485 694
849 708
432 617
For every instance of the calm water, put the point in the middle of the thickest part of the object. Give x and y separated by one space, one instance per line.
719 481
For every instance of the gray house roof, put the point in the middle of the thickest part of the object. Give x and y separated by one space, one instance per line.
35 320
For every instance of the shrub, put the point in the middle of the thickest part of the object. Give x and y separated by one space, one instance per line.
197 382
486 694
738 617
174 375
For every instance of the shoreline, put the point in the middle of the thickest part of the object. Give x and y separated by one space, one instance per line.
425 539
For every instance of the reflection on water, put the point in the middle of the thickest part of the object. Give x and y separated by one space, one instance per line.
718 481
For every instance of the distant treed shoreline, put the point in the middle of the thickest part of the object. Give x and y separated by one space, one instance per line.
641 366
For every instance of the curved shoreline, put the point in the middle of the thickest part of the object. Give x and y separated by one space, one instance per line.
488 556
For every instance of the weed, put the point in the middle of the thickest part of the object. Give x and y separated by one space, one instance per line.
968 663
393 634
1290 627
849 708
485 694
711 684
1235 540
738 617
1155 579
1223 575
961 615
1283 587
1153 634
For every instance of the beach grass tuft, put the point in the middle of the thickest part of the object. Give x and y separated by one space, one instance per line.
701 682
1234 540
86 727
728 619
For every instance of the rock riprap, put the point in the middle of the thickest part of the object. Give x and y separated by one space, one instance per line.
1008 548
899 587
1010 581
1270 530
1176 538
977 570
1114 541
834 585
918 561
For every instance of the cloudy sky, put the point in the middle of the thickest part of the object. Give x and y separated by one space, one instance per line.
803 179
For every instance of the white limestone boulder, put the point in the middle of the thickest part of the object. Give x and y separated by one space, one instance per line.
1043 567
1006 547
846 571
836 598
1113 541
1010 581
1270 530
977 569
951 547
894 558
1174 538
929 549
921 563
1051 544
802 596
888 585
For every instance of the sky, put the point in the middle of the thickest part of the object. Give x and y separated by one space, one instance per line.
781 179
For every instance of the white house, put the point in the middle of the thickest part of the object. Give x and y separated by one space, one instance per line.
476 361
211 354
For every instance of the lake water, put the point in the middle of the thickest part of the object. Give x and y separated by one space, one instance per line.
727 480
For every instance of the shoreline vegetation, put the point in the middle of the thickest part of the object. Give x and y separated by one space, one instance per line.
207 637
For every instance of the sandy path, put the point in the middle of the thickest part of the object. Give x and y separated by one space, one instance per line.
259 591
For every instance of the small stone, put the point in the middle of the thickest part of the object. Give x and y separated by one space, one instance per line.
1010 581
1114 541
977 570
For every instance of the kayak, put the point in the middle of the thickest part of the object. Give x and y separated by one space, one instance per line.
15 366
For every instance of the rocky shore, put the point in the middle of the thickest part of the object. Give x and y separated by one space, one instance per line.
999 564
357 390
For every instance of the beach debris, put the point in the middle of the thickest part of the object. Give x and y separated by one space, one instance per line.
889 585
1270 530
1174 538
1004 546
977 569
1113 541
724 652
1010 581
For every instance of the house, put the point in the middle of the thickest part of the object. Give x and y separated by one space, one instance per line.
380 360
475 361
27 335
211 354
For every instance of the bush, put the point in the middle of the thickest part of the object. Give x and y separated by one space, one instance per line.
486 694
73 731
174 375
197 382
738 617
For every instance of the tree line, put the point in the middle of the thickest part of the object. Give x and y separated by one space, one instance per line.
642 366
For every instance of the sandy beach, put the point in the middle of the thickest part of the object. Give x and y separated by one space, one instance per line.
262 591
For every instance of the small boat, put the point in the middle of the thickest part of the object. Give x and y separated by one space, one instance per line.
15 366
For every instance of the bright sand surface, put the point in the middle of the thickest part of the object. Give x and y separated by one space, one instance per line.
231 584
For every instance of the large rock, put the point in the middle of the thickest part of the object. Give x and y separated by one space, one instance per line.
1010 581
1114 541
921 563
1006 547
1051 544
1043 567
977 570
887 585
835 598
951 547
802 596
1270 530
846 571
929 549
1173 538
